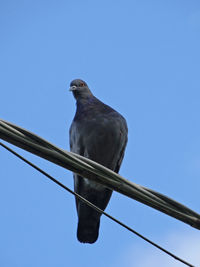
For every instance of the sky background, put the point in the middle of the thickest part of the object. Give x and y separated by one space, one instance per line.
143 59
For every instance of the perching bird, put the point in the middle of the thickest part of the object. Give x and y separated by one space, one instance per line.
99 133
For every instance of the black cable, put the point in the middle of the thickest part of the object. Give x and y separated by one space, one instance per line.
95 207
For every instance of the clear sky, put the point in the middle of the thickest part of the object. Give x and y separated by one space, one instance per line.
143 59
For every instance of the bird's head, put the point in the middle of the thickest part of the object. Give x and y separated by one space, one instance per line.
80 89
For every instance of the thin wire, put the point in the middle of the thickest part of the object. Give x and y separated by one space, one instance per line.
95 207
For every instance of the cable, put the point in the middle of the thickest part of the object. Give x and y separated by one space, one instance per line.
95 207
87 168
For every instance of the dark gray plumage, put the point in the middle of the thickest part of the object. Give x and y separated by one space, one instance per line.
99 133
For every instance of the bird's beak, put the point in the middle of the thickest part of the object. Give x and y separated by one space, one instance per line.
72 88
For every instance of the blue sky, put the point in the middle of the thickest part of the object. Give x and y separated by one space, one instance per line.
140 57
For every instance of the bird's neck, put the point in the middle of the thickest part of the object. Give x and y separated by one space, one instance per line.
84 99
82 95
85 102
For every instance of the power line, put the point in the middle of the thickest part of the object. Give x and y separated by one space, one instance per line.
95 207
92 170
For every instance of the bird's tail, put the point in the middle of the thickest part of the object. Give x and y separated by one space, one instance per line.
88 228
88 218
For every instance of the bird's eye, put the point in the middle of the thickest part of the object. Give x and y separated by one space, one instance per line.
81 84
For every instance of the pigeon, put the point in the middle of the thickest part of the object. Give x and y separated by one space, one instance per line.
99 133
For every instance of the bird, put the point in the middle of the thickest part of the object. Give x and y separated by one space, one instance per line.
99 133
